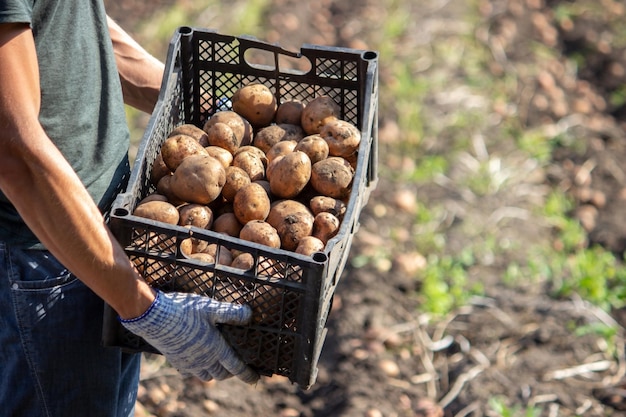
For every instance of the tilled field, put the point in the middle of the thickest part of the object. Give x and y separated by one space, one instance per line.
383 358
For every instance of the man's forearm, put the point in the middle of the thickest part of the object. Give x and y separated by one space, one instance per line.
46 191
140 72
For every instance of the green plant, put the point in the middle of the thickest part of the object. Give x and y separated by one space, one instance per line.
444 284
498 405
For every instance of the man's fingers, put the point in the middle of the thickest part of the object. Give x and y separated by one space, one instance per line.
235 366
229 313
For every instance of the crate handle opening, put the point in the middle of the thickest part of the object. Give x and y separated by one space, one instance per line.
120 212
320 257
271 61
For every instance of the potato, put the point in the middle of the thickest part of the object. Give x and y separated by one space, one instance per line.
198 179
317 113
266 301
197 215
227 224
193 131
244 261
343 138
202 283
266 186
152 197
271 135
159 169
314 146
176 148
309 245
332 177
193 245
202 257
289 112
261 232
221 154
292 220
290 174
160 211
256 151
281 148
221 254
325 226
240 127
256 103
186 246
251 163
164 187
236 178
251 202
222 135
153 272
321 203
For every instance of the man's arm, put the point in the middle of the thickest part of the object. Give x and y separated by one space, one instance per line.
140 72
46 191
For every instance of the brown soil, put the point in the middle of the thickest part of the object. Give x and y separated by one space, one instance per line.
383 358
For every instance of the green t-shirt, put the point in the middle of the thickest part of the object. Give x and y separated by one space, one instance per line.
81 99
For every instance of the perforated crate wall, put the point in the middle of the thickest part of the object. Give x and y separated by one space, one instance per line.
290 294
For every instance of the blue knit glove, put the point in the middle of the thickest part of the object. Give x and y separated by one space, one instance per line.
182 327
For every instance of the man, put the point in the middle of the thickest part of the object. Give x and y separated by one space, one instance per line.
65 70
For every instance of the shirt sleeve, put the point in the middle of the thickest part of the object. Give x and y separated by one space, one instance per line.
16 11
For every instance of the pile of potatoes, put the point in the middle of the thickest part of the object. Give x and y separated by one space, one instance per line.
277 174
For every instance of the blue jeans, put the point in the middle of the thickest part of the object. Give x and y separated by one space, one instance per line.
52 362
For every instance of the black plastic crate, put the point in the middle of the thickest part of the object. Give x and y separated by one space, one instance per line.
290 294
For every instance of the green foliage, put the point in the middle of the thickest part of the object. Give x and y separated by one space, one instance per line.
499 407
444 285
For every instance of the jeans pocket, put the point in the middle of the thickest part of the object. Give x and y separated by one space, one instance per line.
35 270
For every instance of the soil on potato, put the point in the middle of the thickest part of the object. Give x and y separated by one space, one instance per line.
382 358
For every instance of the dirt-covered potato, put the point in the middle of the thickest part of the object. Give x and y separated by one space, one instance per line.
243 261
309 245
322 203
152 197
236 178
197 215
198 179
281 148
221 134
292 220
164 187
317 113
177 148
251 163
289 174
221 254
289 112
266 186
332 177
239 126
159 169
251 202
343 138
227 224
204 257
251 148
256 103
193 131
221 154
314 146
160 211
270 135
325 226
261 232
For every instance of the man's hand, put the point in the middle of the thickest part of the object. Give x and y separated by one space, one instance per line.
182 327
